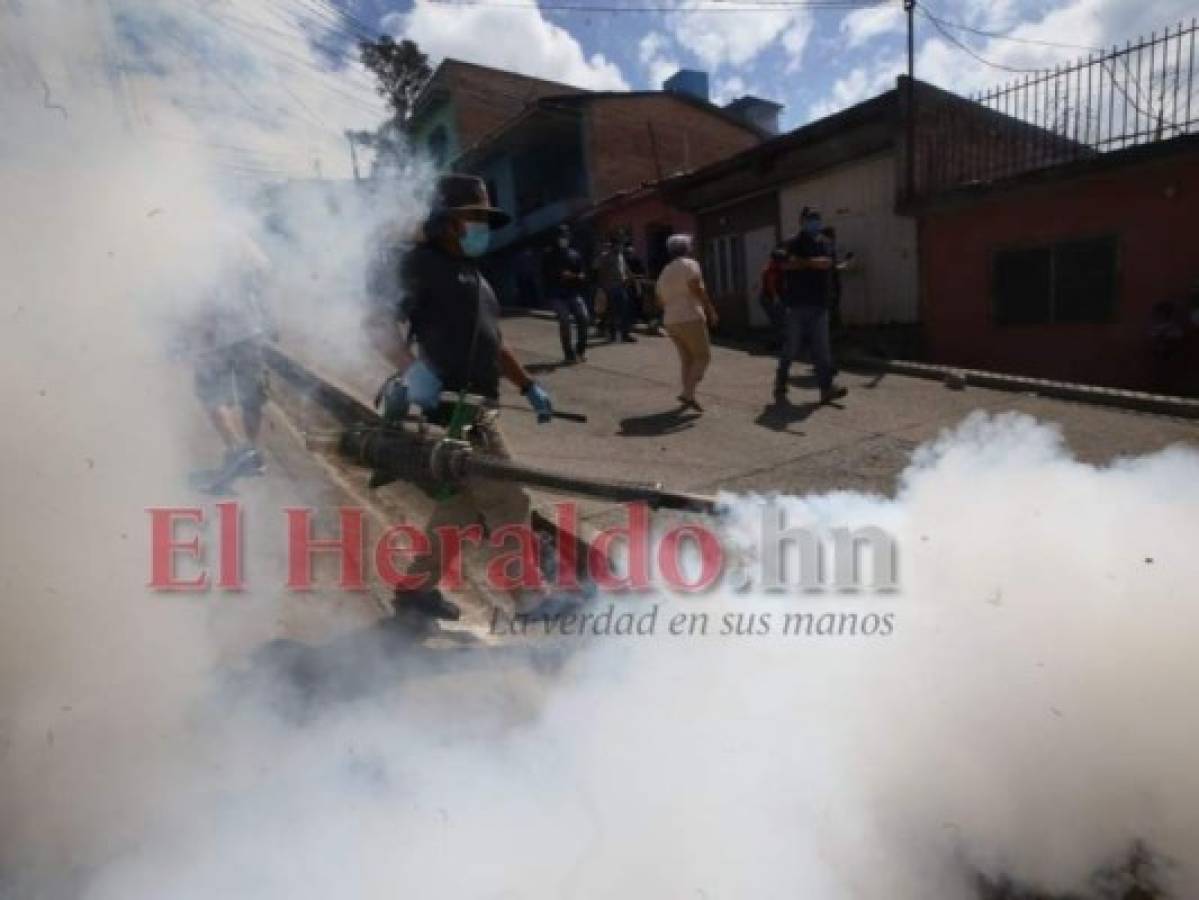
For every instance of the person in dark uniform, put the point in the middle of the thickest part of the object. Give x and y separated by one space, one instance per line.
565 279
453 318
807 292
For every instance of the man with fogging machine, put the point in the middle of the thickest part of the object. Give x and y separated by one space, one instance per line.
453 317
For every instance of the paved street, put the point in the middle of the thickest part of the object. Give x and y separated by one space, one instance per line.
745 442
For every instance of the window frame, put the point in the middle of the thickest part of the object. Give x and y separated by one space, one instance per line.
1053 247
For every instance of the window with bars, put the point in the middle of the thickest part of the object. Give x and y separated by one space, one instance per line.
724 264
1070 281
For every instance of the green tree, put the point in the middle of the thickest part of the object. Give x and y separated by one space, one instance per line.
402 71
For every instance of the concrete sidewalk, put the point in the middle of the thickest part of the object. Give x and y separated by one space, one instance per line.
746 442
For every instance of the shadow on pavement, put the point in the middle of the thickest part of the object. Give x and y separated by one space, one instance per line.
782 413
542 368
654 424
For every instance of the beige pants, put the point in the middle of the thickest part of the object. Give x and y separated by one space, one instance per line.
695 352
483 502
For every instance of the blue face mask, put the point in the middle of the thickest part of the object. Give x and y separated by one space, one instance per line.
812 226
476 238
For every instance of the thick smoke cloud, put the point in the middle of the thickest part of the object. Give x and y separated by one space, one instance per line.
1030 717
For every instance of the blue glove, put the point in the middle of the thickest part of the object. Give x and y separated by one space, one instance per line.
424 387
539 399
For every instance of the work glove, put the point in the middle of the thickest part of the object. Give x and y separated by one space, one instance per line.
539 399
424 387
392 399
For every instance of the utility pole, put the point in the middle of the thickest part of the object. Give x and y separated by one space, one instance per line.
353 155
909 7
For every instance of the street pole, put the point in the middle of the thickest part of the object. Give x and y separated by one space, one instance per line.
353 155
909 7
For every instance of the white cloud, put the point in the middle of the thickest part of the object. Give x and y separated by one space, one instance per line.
659 64
720 39
517 39
728 89
795 41
860 84
1082 23
862 25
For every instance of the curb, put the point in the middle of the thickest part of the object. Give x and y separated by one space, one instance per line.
1159 404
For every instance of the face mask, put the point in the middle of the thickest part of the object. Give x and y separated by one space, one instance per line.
475 239
812 226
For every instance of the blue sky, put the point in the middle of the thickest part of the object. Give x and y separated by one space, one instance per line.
814 60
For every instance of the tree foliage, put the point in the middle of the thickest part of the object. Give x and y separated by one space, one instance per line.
401 69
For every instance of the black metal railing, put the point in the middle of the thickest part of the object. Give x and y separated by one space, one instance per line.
1111 100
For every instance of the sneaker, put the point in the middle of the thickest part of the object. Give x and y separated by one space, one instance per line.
582 357
254 463
241 461
833 392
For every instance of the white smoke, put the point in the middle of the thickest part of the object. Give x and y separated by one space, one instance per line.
1030 717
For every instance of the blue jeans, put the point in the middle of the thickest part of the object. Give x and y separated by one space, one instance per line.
806 324
566 307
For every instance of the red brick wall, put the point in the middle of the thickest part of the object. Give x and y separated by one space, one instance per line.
622 152
486 99
1150 207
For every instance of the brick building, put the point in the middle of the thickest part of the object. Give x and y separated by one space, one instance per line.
564 153
464 102
1064 273
549 151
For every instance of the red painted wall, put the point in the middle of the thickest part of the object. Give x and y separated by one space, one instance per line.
640 213
1153 208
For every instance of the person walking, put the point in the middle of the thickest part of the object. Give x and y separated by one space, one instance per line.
807 290
223 339
612 275
641 294
770 296
453 316
564 277
687 314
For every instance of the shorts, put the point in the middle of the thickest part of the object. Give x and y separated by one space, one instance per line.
233 375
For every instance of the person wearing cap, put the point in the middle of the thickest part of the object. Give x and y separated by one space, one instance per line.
453 317
564 278
807 293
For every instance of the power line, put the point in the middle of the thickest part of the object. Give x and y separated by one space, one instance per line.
1108 65
743 6
1002 36
970 51
363 30
321 76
